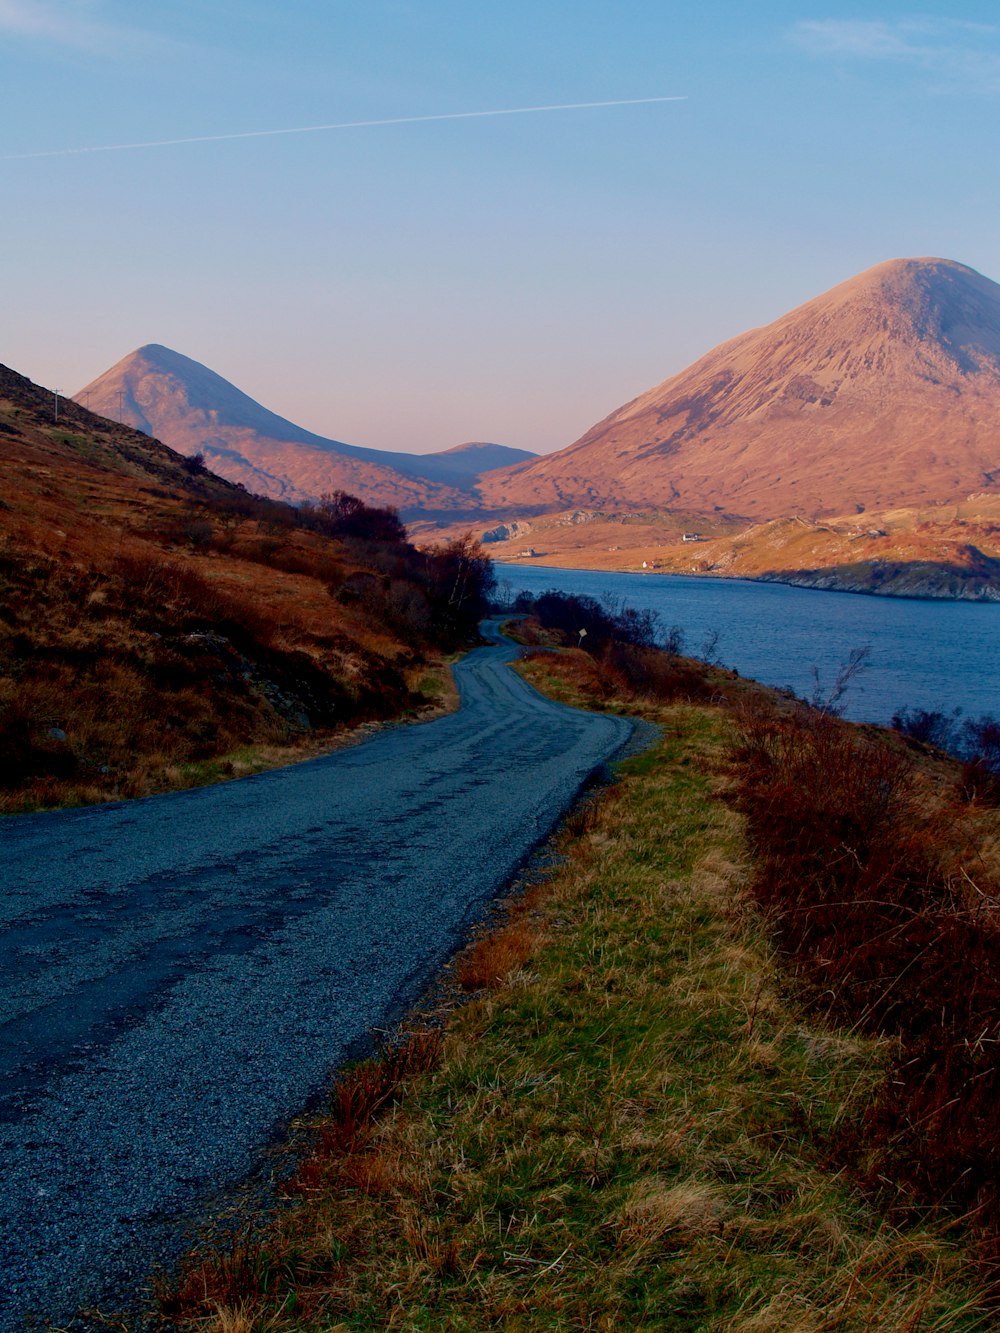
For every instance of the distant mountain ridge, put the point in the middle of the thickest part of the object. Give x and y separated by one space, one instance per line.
883 391
188 406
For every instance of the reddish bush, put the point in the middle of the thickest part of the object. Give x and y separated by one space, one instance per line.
862 878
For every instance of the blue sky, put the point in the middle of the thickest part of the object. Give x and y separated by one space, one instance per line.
511 278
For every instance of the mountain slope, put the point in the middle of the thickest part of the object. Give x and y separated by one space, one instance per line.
194 410
159 626
883 391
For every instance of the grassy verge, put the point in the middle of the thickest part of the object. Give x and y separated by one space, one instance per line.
630 1125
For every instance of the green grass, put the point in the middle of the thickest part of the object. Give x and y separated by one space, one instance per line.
631 1127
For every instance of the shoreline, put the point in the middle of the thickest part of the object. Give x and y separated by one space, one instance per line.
789 580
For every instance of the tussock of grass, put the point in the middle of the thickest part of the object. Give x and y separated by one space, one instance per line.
630 1126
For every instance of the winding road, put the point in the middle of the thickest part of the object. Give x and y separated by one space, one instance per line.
179 975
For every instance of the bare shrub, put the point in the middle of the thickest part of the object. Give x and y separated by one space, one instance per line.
658 673
869 889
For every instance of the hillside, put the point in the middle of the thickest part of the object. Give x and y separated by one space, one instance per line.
948 551
196 411
884 392
159 626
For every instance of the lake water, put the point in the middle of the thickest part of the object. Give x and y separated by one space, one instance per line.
924 654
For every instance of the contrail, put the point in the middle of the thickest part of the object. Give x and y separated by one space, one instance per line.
342 125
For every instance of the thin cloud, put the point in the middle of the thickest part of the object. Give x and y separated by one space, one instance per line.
340 125
71 23
961 56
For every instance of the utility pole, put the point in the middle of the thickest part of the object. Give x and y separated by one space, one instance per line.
55 410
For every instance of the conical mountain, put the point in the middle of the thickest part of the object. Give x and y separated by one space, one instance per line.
883 391
194 410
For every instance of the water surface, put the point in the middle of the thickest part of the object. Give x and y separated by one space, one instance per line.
924 654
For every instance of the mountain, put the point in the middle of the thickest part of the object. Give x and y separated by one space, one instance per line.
464 461
884 391
196 411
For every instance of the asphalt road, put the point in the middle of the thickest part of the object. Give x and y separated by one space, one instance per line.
179 975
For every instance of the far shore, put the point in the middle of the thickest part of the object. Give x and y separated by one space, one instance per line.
824 580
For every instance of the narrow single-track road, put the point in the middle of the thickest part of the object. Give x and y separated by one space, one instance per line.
179 975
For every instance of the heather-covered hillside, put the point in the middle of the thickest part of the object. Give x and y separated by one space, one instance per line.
160 626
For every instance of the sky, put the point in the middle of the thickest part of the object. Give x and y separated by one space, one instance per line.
509 278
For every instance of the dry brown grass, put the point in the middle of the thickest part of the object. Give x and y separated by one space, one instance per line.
160 629
499 952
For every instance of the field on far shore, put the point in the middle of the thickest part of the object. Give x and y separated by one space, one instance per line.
942 550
